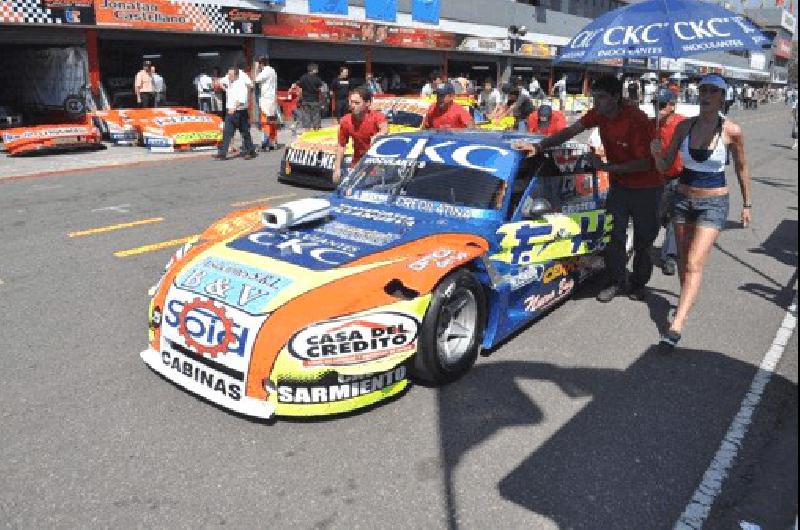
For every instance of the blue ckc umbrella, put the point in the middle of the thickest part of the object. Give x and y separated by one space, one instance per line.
663 28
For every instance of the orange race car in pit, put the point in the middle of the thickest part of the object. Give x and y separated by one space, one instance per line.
43 139
162 129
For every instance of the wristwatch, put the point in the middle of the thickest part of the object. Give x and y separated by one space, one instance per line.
747 205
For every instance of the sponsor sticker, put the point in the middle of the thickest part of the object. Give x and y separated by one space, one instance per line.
317 159
234 284
358 235
441 258
374 214
355 340
203 375
340 388
539 302
196 136
206 328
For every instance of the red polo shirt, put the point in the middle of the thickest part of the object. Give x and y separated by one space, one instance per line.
360 131
453 117
625 138
666 130
557 123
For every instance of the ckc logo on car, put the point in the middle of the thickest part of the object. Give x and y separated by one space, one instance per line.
355 340
649 34
460 155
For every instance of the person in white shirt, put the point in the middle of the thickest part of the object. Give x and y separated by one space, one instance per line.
560 91
205 91
159 87
267 80
236 100
533 88
428 89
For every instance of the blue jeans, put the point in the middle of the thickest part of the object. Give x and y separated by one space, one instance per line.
711 212
640 206
233 122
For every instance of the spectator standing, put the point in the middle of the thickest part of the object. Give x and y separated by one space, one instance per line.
205 91
794 126
665 126
267 80
560 91
633 91
444 113
143 86
430 88
340 89
691 93
546 121
361 126
649 91
730 95
534 88
159 87
636 186
520 107
701 204
311 86
489 98
237 97
373 85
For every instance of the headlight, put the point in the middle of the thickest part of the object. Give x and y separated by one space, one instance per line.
181 252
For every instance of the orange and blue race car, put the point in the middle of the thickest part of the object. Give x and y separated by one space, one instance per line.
310 157
162 129
435 246
46 139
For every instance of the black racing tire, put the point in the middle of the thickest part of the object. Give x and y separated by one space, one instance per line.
452 329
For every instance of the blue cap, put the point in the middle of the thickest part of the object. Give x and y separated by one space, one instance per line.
544 113
714 80
665 95
444 89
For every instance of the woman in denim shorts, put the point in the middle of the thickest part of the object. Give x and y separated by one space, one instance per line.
701 201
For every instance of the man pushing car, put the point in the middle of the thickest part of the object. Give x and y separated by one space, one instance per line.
362 124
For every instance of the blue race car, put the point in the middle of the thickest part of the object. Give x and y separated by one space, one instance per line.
436 245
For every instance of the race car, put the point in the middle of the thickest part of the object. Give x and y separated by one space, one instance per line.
47 139
162 129
437 245
309 159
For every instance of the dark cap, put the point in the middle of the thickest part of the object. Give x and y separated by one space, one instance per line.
444 89
545 113
665 95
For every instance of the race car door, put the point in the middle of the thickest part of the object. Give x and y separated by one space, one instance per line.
556 220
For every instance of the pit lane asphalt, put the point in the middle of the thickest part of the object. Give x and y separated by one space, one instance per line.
573 424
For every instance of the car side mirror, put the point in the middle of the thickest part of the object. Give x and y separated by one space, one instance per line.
535 208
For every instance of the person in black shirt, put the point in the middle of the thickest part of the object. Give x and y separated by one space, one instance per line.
520 106
310 108
340 91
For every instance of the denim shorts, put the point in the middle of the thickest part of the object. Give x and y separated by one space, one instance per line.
711 212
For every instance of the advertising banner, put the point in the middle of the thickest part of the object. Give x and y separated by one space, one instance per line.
47 12
179 15
783 48
331 7
537 49
425 11
385 10
758 61
353 31
487 45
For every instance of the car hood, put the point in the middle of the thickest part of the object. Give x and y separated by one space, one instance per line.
327 138
263 268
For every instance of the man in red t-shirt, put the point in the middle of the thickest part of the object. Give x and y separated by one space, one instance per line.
546 121
445 113
668 120
636 186
362 125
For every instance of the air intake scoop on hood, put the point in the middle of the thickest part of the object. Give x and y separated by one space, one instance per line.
295 213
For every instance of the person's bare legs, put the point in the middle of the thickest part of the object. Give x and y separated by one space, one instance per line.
683 239
698 248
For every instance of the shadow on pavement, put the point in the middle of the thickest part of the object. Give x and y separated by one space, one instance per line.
630 459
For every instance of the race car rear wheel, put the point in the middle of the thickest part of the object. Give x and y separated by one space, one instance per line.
452 329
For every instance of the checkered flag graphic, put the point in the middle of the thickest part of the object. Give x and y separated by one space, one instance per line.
26 12
207 17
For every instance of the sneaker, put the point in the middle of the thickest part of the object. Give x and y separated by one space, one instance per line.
249 156
669 267
608 294
668 342
219 157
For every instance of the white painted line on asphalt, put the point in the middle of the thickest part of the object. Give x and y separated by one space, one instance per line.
704 496
121 208
43 187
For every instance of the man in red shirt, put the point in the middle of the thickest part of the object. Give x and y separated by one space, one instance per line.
546 121
636 186
445 113
362 125
668 120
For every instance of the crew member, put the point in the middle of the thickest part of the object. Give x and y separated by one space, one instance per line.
665 126
236 99
143 86
636 186
267 80
546 121
445 113
362 125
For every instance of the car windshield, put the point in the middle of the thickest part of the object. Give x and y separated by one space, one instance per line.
402 111
403 117
454 185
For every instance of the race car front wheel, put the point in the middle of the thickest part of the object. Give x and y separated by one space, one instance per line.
452 329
